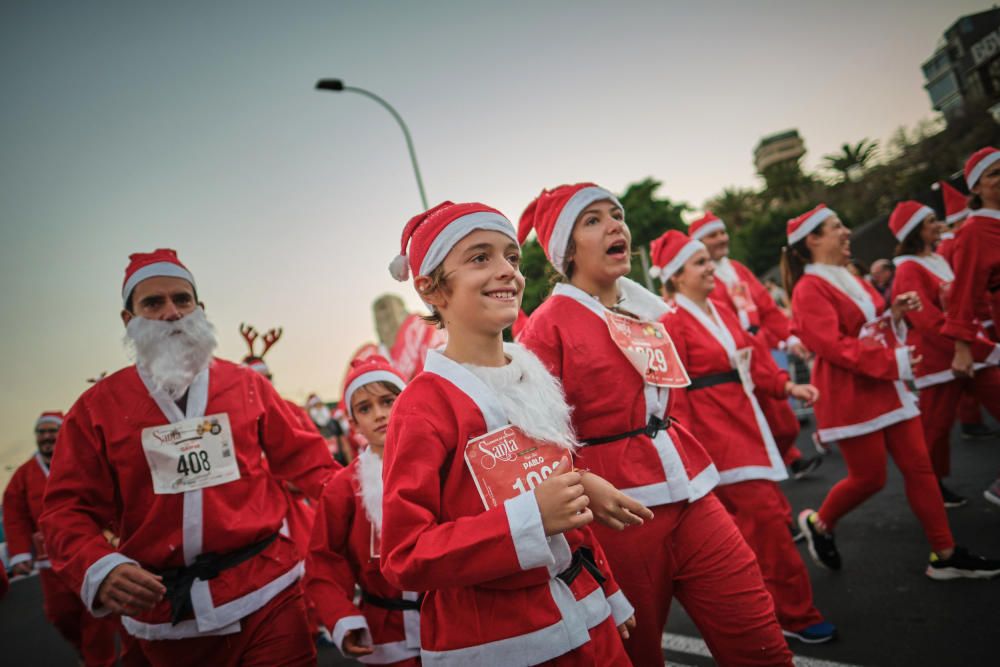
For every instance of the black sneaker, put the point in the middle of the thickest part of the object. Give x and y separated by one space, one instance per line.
802 468
976 431
962 564
822 547
797 534
951 499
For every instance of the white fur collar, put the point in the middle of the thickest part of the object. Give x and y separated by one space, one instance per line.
638 300
934 263
724 270
531 397
847 283
370 480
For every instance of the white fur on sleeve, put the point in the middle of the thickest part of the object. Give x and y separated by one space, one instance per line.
525 522
345 625
95 576
621 608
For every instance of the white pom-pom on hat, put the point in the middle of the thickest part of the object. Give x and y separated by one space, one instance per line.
654 271
399 268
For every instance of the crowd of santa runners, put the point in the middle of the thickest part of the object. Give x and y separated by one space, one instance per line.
533 502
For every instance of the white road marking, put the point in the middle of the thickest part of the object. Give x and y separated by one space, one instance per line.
695 646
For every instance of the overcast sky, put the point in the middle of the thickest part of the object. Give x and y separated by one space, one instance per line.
127 126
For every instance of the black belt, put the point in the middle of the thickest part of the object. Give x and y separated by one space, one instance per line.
753 329
714 379
393 604
583 559
654 426
205 566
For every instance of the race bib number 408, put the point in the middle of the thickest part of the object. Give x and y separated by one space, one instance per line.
506 463
193 454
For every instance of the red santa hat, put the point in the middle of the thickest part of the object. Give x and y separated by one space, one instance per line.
162 262
432 234
705 225
50 417
553 213
955 203
798 228
366 371
979 162
669 253
906 217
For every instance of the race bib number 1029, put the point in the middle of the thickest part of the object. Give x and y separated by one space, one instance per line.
192 454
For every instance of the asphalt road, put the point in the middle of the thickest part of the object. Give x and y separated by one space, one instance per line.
887 611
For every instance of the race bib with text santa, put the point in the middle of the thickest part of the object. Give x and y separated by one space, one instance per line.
878 333
192 454
506 463
739 292
648 348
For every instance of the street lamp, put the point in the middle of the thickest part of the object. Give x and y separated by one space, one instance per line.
336 86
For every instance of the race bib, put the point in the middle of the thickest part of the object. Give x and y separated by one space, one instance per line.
506 463
742 360
878 333
648 348
193 454
739 292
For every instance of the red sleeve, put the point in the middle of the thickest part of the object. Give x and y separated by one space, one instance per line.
971 276
545 343
817 323
329 579
294 453
680 404
421 552
18 525
772 320
765 373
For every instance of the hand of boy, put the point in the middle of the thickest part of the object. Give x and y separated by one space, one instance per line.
610 506
562 501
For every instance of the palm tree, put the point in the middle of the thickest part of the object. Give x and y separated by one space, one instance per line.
785 182
736 206
850 163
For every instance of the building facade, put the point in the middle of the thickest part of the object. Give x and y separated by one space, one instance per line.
965 68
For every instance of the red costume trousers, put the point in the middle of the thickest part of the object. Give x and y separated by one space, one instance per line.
866 459
968 408
604 648
939 403
694 551
276 634
757 508
93 638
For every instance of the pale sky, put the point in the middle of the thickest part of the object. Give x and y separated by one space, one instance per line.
127 126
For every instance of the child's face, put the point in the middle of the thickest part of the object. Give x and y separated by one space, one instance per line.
484 284
370 408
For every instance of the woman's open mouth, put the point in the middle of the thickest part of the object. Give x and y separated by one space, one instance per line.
618 250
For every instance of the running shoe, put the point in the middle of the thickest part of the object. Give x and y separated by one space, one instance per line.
817 633
976 431
992 494
822 448
802 468
822 547
951 499
962 564
797 534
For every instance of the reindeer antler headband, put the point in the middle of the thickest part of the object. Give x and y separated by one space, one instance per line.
250 335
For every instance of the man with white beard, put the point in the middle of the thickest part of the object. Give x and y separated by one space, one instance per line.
169 451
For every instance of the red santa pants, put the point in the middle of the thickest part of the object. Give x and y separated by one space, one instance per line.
93 638
968 408
939 403
276 634
757 508
604 648
866 459
694 551
783 422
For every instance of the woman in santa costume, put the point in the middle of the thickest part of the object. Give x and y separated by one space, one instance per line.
860 368
922 271
976 261
347 534
599 333
727 368
482 508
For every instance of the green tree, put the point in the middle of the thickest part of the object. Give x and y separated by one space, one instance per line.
852 160
786 182
736 206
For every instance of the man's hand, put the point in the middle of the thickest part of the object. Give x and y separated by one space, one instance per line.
353 646
129 590
799 350
610 506
806 393
962 363
24 568
629 624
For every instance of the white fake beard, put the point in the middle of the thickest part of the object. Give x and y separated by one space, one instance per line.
171 354
320 415
370 481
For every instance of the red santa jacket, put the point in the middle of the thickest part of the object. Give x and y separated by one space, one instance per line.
931 278
100 476
22 507
859 376
976 263
726 417
493 594
340 556
737 287
569 334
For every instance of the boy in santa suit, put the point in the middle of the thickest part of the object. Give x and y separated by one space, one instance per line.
720 407
922 271
737 288
976 262
169 451
482 507
93 638
347 536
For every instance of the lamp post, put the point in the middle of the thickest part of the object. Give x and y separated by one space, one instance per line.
336 86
